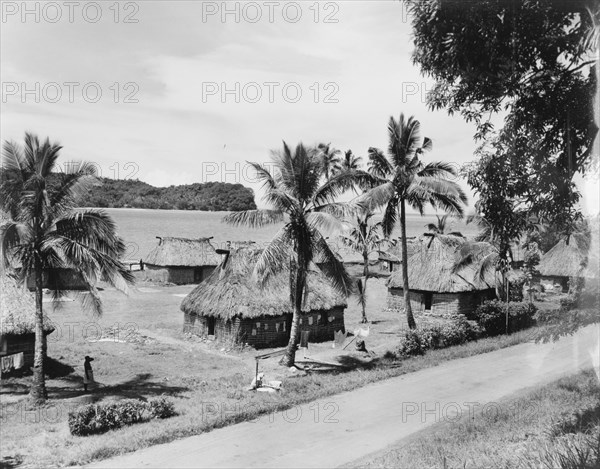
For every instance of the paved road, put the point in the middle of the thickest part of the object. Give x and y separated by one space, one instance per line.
342 428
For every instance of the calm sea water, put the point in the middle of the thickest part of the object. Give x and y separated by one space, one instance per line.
140 227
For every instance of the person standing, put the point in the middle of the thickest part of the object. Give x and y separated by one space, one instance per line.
88 373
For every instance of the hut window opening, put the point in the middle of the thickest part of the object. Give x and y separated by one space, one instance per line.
284 326
428 300
310 320
276 327
210 324
266 327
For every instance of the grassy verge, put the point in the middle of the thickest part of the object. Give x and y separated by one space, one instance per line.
551 426
41 438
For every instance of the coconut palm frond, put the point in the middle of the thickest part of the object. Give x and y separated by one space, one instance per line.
254 218
378 164
390 217
331 266
438 169
325 222
275 257
443 194
377 197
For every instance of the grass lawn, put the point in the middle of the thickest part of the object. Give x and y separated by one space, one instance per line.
148 356
550 426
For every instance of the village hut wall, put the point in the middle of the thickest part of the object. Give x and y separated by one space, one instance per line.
267 331
436 303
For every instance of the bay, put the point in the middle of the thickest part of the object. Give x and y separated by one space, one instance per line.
140 227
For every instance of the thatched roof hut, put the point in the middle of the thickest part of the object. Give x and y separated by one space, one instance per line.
181 260
232 290
183 252
435 285
393 254
431 267
17 325
231 303
563 260
17 308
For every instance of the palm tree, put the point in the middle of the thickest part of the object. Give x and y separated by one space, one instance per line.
306 205
404 179
439 227
45 232
350 162
330 158
364 238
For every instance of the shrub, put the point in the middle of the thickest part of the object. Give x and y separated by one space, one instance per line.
491 316
418 341
99 418
161 408
411 345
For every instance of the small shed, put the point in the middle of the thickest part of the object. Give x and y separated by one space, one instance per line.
392 256
435 286
181 260
232 304
17 325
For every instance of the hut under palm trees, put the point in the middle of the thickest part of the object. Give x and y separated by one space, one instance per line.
17 326
436 285
575 259
231 303
391 257
181 260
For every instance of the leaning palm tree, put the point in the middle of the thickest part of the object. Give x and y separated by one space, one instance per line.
299 198
44 232
404 179
364 238
330 158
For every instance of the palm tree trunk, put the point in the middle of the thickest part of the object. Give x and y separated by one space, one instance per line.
407 308
290 353
38 393
366 275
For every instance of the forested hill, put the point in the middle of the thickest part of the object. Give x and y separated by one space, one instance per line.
210 196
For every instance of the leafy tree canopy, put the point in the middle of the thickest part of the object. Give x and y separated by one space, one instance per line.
532 60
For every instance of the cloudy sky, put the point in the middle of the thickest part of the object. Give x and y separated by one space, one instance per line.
187 92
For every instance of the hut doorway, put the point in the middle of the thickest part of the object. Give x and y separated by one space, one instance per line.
210 324
428 300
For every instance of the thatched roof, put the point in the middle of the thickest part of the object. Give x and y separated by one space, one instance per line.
17 308
232 290
394 252
431 265
564 260
183 252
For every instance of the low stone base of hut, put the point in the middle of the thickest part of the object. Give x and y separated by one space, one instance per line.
266 331
440 303
176 275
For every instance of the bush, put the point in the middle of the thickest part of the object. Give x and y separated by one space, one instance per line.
418 341
411 345
99 418
491 316
161 408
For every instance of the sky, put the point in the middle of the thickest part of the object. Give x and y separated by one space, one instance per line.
187 91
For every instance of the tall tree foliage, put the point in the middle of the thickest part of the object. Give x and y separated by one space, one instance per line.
364 238
300 195
405 180
533 60
45 232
